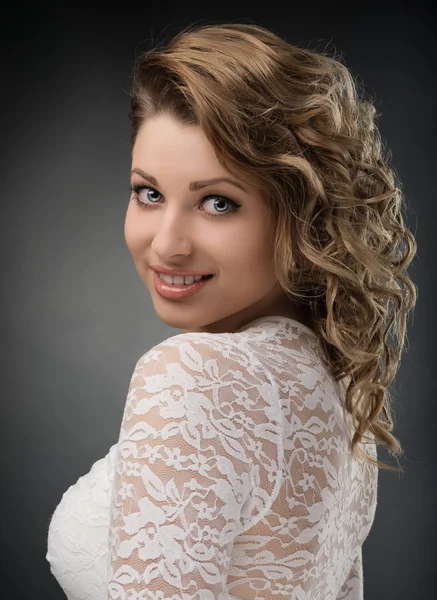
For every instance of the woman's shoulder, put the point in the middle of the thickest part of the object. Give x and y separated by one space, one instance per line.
262 348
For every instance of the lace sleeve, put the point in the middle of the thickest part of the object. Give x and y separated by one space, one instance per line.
199 461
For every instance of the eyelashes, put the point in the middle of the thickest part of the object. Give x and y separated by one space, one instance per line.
136 189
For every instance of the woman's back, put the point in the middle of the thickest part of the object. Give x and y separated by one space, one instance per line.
311 539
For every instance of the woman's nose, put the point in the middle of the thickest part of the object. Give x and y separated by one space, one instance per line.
172 236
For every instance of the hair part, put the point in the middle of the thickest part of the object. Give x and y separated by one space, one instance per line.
295 124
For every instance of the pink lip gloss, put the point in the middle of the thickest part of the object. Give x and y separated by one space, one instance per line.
179 290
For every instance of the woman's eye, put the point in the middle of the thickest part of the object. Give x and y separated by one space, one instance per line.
147 190
218 202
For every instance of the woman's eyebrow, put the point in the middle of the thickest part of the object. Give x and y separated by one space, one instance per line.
194 185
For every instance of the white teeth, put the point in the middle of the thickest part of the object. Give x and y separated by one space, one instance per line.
179 279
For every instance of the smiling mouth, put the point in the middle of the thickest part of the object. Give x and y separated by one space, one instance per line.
179 290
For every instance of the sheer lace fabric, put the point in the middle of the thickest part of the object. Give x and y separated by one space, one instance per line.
232 477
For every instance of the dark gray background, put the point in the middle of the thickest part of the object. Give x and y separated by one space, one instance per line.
76 315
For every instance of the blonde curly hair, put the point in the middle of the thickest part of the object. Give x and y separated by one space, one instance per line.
293 122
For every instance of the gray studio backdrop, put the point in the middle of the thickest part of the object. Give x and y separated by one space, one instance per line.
76 315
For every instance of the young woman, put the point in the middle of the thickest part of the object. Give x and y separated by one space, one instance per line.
267 225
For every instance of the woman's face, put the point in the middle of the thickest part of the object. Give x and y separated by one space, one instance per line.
196 229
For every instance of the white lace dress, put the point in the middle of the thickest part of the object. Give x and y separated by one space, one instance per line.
232 478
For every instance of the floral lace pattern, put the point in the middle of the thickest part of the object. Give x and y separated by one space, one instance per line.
234 476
